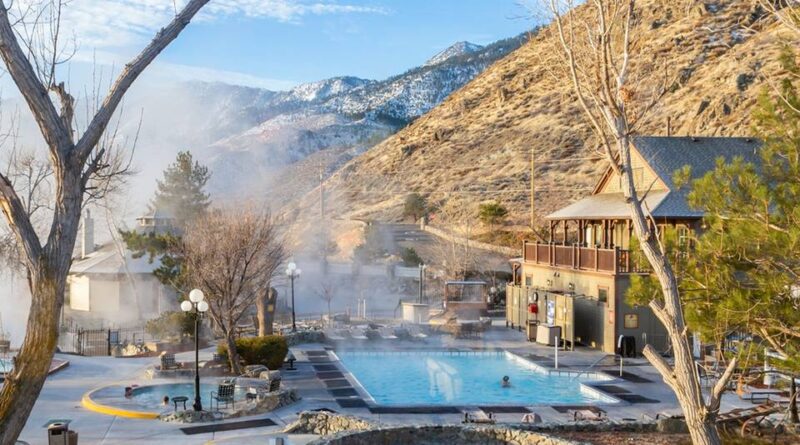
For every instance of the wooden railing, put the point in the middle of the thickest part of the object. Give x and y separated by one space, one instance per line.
616 261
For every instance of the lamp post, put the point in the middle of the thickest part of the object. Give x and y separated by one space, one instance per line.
196 303
293 272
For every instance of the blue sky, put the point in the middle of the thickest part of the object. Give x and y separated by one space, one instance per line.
280 43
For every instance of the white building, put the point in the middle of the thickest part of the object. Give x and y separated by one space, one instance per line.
107 285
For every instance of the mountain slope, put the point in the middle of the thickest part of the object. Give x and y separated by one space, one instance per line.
477 143
347 114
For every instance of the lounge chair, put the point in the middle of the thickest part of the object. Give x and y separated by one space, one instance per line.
586 414
333 335
358 334
478 416
168 361
756 395
416 333
224 394
387 333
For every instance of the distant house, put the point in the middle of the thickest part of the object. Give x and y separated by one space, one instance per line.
106 285
578 278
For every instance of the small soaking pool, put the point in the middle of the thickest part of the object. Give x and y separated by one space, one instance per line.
465 379
147 400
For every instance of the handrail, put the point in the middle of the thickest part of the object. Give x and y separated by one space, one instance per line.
586 371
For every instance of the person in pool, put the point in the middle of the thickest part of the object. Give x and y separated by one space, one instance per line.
165 401
506 383
128 392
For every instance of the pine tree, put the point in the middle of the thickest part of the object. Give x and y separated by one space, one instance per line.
181 193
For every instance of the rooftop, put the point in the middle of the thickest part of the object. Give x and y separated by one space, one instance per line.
666 155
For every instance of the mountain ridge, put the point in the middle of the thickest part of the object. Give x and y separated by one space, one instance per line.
477 143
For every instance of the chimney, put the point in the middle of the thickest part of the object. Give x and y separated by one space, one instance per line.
87 235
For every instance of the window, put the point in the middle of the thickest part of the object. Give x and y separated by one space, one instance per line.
528 280
602 294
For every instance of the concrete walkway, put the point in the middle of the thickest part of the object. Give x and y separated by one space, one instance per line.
63 391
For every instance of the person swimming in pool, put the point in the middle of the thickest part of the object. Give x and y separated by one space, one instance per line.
506 383
128 392
165 401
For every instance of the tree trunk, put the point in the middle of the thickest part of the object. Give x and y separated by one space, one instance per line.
22 387
233 355
682 378
47 277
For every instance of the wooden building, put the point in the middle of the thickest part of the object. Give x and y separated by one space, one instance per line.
586 258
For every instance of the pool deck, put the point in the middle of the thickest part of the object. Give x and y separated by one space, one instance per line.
62 393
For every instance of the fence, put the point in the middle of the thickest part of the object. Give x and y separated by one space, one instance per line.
97 342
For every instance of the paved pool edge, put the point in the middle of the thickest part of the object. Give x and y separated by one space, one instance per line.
91 405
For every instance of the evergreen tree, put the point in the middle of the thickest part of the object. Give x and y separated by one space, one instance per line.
180 193
415 207
492 213
743 271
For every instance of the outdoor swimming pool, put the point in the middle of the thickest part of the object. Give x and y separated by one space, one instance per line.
464 379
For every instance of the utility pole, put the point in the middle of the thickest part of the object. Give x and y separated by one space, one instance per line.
321 193
533 194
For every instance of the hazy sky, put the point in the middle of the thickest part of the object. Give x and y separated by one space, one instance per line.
279 43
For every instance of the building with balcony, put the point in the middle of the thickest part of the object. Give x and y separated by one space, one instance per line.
577 278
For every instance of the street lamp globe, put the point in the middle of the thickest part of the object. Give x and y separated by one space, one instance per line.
202 306
186 306
297 272
291 266
196 295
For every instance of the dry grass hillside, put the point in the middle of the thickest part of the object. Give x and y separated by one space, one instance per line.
477 143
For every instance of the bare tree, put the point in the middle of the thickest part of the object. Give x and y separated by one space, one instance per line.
232 255
456 254
786 11
595 48
78 158
327 292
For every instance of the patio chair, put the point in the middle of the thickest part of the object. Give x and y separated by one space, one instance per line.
387 333
168 361
224 394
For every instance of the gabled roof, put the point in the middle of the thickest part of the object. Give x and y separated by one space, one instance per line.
665 155
108 260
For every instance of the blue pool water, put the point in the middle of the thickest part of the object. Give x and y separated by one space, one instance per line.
149 397
462 378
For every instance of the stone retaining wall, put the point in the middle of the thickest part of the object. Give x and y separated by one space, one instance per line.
443 434
324 424
303 337
266 403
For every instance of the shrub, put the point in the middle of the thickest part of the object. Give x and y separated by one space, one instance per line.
172 324
410 257
269 351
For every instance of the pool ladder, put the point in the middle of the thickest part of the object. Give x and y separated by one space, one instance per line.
595 363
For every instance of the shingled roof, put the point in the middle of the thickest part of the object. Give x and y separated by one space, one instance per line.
665 155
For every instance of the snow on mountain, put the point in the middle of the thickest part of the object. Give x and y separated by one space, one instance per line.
347 112
453 50
323 89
